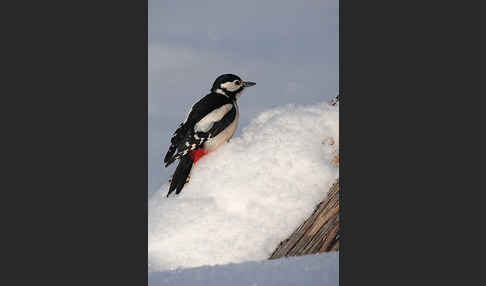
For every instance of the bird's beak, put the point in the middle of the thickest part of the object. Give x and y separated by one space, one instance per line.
248 83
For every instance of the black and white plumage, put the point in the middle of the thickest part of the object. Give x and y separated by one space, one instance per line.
335 100
210 123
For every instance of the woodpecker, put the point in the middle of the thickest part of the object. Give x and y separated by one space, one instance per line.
211 122
335 100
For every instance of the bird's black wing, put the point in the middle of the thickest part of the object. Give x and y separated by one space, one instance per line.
178 136
195 139
185 138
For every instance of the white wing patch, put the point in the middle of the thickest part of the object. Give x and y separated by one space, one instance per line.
216 115
220 91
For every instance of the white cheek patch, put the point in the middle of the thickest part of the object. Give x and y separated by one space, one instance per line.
216 115
231 86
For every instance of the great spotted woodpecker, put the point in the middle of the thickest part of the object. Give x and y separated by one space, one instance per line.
335 100
211 122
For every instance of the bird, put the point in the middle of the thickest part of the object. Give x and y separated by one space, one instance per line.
335 100
210 123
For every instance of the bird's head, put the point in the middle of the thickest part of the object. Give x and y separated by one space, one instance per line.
230 85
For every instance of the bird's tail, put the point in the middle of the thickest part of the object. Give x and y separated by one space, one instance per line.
181 174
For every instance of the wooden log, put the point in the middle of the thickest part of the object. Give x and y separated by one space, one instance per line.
319 233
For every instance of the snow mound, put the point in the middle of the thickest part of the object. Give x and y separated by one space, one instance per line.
317 269
250 194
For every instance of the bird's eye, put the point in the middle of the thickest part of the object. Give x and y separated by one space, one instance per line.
237 82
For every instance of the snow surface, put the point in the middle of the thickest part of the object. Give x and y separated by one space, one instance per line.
317 269
250 194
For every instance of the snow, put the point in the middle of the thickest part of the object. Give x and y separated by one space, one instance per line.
250 194
318 269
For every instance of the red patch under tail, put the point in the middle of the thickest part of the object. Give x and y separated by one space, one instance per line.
197 154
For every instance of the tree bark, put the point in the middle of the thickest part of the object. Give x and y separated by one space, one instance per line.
319 233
